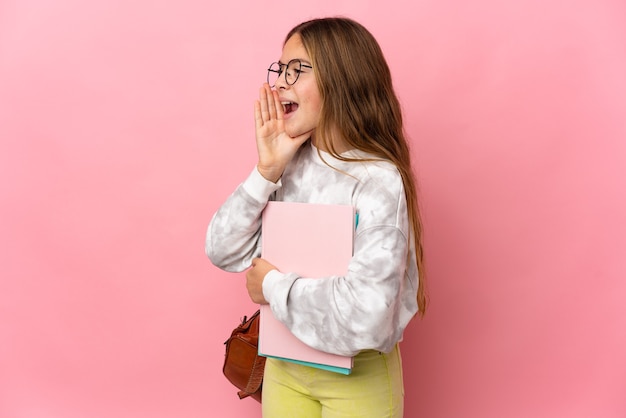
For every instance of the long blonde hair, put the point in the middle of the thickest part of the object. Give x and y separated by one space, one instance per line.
360 105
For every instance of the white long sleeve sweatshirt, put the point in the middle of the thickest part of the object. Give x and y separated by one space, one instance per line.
371 306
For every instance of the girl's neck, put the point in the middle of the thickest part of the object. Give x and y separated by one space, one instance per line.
339 145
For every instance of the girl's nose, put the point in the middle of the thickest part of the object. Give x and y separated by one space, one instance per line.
281 82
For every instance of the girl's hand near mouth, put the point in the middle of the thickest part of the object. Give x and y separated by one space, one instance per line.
274 146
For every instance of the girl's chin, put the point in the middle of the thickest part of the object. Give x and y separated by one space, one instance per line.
296 132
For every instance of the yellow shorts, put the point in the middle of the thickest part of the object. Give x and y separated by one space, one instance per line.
374 389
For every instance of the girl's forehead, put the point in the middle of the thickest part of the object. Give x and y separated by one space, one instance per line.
301 60
294 49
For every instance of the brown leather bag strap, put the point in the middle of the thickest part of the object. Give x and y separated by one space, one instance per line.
256 378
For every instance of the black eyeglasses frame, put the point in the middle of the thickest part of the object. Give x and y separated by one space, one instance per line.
281 69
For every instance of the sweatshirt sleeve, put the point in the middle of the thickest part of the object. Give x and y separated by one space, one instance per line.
370 306
232 238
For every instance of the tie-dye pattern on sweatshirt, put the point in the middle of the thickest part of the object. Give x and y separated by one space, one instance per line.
370 307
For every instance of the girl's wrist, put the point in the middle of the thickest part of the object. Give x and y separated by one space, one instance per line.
272 175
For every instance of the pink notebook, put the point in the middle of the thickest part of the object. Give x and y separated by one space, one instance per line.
312 240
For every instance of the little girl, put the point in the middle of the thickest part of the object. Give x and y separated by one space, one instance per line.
329 130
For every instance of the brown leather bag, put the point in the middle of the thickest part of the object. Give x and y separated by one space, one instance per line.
243 366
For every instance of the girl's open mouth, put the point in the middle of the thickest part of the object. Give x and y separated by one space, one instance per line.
289 107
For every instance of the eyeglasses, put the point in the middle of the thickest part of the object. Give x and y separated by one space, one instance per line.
293 67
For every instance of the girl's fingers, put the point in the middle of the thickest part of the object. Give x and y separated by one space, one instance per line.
265 115
271 100
279 106
268 108
258 118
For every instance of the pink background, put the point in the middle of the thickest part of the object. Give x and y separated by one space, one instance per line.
124 125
